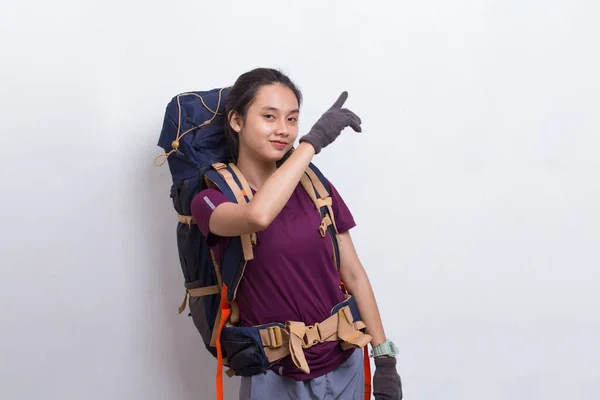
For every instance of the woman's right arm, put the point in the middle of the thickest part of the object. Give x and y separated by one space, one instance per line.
232 219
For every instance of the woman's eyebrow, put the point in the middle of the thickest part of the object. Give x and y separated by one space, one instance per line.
271 108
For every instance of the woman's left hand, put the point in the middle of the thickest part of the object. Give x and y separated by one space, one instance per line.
386 381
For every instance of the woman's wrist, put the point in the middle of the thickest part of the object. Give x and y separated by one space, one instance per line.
305 147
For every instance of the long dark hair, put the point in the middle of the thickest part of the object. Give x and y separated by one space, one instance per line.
242 94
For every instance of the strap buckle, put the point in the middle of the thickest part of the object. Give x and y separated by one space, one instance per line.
327 201
219 166
325 222
275 336
312 336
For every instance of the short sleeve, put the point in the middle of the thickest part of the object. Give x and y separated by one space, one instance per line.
344 219
202 207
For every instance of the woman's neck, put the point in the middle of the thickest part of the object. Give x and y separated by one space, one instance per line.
255 171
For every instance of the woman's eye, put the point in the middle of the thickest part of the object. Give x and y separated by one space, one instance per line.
293 119
268 116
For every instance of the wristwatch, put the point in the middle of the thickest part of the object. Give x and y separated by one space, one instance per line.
387 348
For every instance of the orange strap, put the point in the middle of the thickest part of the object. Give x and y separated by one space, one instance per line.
225 312
367 369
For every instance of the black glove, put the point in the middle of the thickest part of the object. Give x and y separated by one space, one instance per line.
386 381
331 124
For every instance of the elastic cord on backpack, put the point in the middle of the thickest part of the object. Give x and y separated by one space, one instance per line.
175 143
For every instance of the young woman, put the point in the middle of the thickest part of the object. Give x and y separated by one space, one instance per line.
292 277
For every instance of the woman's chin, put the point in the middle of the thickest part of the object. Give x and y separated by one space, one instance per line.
277 155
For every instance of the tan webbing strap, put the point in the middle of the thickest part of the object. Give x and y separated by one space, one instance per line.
277 353
347 331
186 219
246 190
184 303
239 196
308 187
321 191
235 313
297 330
217 268
213 338
273 336
197 292
279 343
322 198
275 340
215 331
204 291
330 208
324 202
230 373
209 289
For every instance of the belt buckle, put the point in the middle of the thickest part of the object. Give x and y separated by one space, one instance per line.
312 336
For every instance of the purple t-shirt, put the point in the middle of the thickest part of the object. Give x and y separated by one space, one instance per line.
292 276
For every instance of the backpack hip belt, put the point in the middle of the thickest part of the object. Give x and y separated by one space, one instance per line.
251 350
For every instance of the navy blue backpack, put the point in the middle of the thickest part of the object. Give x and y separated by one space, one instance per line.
193 138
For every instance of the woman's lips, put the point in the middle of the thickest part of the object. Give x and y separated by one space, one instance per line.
278 145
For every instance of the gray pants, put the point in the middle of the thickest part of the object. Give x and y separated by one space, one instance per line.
345 383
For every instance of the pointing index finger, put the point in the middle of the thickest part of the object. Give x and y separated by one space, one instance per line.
340 101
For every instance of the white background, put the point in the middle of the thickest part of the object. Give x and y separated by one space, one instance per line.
475 186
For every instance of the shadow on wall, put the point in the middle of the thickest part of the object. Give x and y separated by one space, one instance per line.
179 352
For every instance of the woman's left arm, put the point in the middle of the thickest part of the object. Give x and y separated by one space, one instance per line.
387 384
357 282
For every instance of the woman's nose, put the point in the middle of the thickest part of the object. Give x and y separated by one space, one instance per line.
282 129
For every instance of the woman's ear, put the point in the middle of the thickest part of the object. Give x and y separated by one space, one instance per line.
235 121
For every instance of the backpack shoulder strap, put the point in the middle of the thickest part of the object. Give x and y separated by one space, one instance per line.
317 187
230 181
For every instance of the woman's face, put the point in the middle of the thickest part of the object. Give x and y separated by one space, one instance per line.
271 124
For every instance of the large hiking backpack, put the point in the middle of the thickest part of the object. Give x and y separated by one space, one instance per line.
193 138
